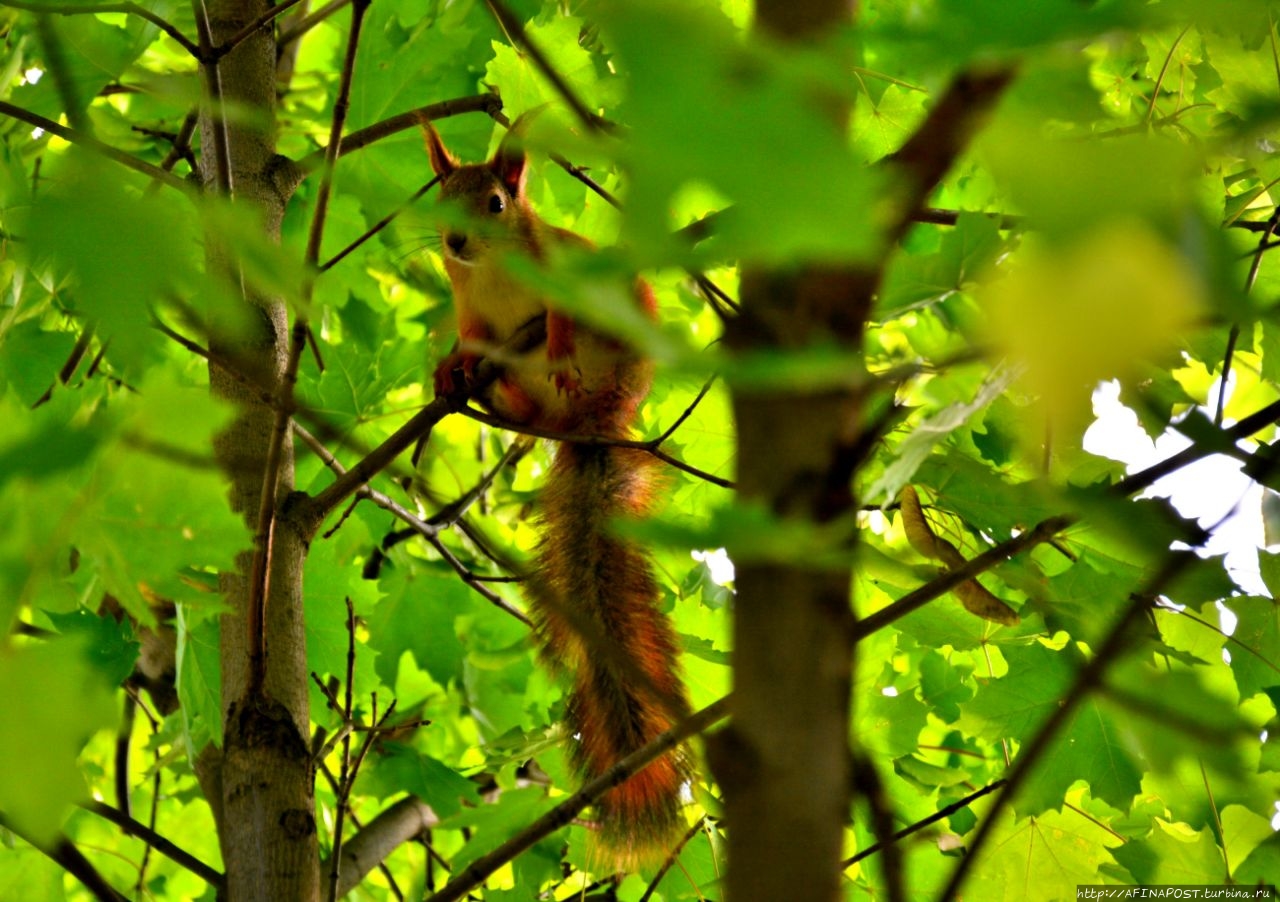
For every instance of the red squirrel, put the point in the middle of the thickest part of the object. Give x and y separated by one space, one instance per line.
592 596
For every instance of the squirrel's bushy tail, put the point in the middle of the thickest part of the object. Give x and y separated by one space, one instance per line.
594 601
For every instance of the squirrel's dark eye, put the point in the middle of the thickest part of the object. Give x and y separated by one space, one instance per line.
497 204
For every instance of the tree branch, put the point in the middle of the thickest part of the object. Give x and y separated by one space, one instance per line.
133 9
1255 422
249 30
479 870
213 87
938 815
313 511
478 103
1087 679
930 152
997 554
98 147
73 862
399 824
294 32
261 568
515 30
162 845
428 531
651 446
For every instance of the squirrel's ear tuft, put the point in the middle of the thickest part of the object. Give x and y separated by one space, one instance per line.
509 159
509 163
443 163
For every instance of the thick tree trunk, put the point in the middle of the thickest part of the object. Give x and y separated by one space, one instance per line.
267 817
785 762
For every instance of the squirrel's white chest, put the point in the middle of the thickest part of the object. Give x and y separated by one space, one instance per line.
487 292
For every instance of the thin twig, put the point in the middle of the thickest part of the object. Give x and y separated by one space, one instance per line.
427 530
181 146
401 822
919 825
105 150
512 25
868 784
997 554
124 739
477 103
378 226
344 778
162 845
153 814
1107 652
563 814
133 9
1234 335
293 32
649 446
672 857
341 105
249 30
452 512
72 363
688 411
1255 422
317 508
1164 68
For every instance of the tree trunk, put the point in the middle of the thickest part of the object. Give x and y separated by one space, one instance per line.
785 761
267 817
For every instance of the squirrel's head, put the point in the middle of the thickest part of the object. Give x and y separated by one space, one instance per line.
489 196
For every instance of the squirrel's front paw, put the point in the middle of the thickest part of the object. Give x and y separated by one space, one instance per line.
447 383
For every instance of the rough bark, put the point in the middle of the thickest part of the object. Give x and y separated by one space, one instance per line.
785 761
267 827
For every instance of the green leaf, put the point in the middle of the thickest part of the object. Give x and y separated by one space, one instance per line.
26 873
1262 864
1029 857
698 105
1089 746
1173 855
524 87
1255 649
401 768
137 527
944 687
55 698
917 446
331 577
90 54
112 646
964 254
125 252
419 614
31 357
495 823
199 681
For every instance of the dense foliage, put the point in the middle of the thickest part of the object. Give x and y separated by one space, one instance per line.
1110 223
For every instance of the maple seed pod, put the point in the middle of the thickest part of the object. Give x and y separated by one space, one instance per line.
973 595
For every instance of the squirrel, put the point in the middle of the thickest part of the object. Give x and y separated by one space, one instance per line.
592 596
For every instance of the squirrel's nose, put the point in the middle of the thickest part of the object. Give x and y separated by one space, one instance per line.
456 241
